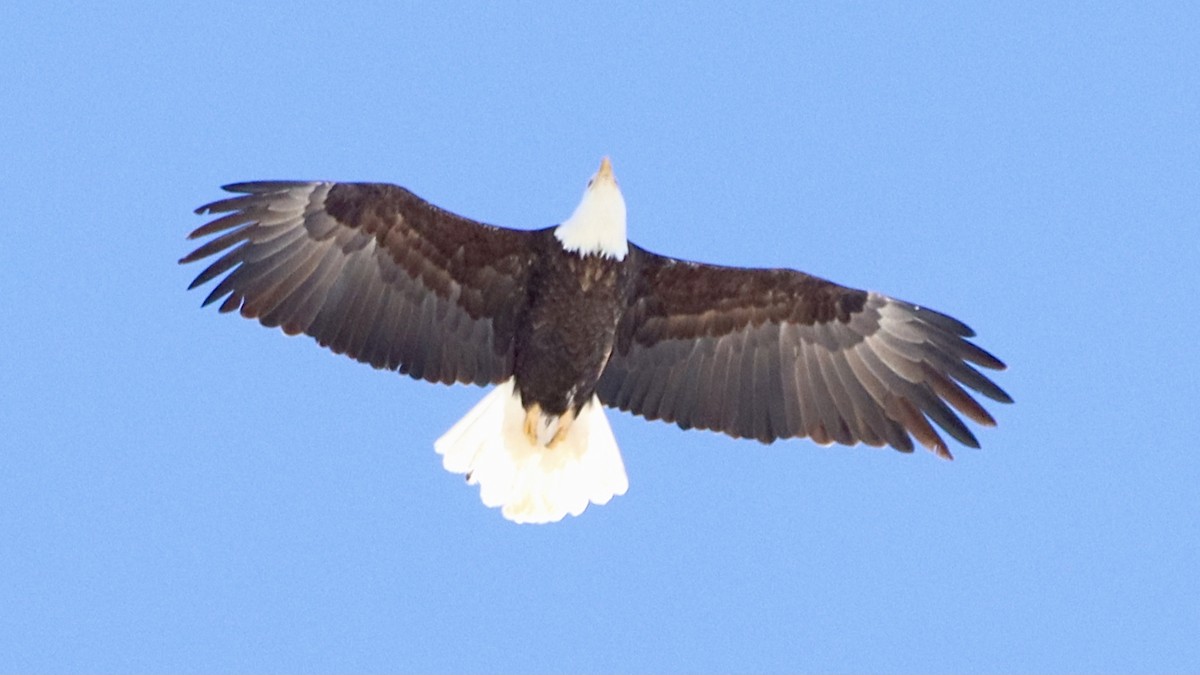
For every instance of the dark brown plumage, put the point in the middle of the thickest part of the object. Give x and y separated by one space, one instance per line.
371 271
771 354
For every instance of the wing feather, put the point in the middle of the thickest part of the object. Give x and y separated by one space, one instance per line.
298 269
365 316
292 308
772 354
369 270
766 367
868 425
717 392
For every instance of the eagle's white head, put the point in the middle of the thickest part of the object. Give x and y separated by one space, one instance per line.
598 224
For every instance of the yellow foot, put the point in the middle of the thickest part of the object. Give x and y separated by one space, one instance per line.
533 417
564 425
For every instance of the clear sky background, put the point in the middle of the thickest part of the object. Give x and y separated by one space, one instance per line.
187 491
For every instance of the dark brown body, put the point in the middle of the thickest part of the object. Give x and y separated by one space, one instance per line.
567 333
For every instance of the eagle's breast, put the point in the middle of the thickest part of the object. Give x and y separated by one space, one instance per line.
571 322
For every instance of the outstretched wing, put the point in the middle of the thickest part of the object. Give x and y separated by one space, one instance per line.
771 354
371 271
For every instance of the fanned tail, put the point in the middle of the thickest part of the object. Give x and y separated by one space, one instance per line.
533 483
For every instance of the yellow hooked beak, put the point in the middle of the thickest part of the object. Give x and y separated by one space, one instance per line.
604 174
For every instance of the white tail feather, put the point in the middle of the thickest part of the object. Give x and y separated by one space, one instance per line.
534 483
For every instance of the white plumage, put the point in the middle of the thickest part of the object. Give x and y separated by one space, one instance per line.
533 483
598 223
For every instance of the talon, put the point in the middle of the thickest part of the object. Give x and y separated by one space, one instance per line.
533 416
564 425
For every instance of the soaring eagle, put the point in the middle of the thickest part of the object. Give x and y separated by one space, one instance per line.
571 318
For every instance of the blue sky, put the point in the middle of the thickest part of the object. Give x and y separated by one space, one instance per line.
185 491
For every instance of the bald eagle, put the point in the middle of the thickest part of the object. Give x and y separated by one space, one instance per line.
571 318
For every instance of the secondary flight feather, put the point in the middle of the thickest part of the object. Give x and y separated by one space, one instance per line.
571 318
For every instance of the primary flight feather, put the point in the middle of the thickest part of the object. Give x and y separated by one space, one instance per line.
571 318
